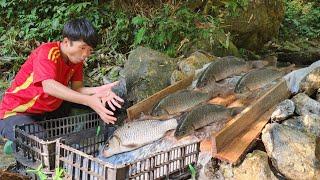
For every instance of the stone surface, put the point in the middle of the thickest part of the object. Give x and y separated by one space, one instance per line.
292 152
256 24
308 123
255 166
305 105
284 110
147 72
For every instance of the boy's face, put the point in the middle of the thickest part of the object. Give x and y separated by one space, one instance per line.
76 51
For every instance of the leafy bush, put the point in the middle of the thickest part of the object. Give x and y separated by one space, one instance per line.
168 28
302 18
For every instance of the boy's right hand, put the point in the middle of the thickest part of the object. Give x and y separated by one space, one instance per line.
96 104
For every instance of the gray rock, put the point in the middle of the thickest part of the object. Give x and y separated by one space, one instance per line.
208 167
255 166
284 110
311 83
177 76
226 170
318 95
190 66
308 123
292 152
195 61
306 56
120 89
147 72
305 105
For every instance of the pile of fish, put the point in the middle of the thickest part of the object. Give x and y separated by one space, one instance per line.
291 141
190 110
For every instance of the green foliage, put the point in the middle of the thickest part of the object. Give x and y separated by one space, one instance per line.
233 5
168 28
58 174
39 172
301 19
226 8
192 171
98 131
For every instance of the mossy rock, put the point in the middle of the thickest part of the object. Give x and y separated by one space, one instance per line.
147 72
255 24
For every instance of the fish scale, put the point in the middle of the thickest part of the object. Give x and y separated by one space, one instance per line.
203 116
179 102
256 79
221 69
136 134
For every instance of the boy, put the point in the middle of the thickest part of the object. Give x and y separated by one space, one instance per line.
42 82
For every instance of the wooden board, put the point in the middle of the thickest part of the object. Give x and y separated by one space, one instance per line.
145 105
232 141
225 101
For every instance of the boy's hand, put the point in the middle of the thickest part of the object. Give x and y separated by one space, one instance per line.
96 104
107 96
112 99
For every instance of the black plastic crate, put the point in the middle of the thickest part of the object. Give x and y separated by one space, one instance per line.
35 143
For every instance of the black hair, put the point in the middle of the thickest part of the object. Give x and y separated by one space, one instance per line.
81 29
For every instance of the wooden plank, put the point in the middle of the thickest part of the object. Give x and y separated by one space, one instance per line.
232 152
225 101
238 127
146 105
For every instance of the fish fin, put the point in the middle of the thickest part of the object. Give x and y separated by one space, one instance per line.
181 118
169 133
256 64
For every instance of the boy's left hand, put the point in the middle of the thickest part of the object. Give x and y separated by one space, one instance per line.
107 96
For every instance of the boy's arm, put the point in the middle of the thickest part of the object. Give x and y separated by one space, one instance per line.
104 92
78 86
58 90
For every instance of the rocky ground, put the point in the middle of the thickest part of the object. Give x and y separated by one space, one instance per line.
7 161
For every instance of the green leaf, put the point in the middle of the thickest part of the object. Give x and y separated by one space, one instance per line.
7 149
192 171
42 176
139 36
138 20
98 131
3 3
58 173
39 172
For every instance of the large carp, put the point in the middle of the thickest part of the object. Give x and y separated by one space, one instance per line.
221 69
256 79
136 134
179 102
202 116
